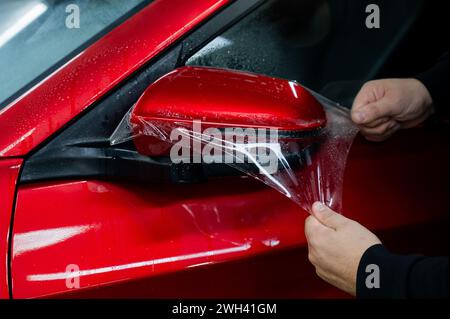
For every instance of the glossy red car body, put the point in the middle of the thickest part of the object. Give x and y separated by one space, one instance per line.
236 238
9 172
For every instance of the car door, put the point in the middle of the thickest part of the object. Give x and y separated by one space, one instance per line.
91 221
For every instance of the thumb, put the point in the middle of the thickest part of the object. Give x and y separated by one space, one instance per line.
371 113
326 216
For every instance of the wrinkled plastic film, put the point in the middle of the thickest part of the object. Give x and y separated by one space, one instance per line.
305 167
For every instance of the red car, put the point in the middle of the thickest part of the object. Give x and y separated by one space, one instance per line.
72 203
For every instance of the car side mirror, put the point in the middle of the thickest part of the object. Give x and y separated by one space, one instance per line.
221 98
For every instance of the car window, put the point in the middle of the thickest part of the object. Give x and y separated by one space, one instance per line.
323 44
34 35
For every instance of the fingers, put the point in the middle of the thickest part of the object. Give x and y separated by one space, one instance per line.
312 227
369 93
327 217
371 106
316 232
371 114
380 132
366 108
377 122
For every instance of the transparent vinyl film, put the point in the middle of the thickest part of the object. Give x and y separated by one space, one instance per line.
305 166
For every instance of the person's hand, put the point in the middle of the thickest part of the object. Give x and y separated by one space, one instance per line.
382 107
336 245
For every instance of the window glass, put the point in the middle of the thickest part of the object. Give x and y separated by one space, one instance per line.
34 35
323 44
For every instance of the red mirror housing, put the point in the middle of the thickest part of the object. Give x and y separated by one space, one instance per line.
222 98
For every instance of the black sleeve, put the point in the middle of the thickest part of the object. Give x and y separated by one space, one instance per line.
402 276
436 81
